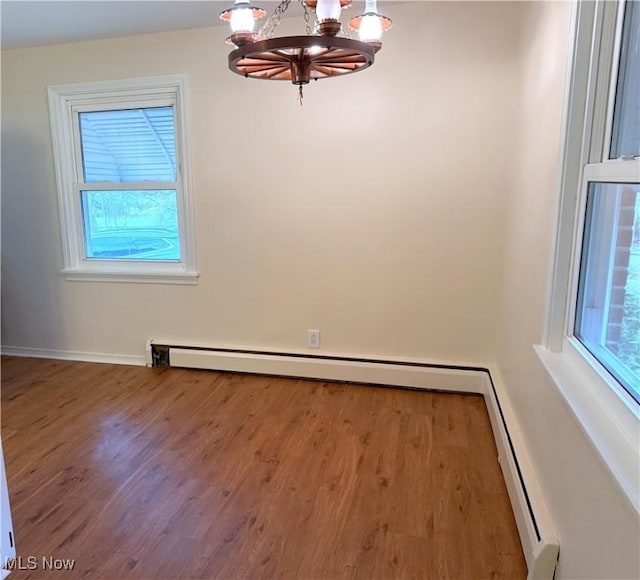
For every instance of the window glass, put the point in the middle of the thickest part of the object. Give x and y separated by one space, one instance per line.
121 157
608 313
128 145
131 225
625 138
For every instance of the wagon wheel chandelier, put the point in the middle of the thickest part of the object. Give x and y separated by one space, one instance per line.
319 54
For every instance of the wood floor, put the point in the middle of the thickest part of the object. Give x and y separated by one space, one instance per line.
168 473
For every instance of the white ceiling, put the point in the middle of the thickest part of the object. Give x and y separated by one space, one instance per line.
32 23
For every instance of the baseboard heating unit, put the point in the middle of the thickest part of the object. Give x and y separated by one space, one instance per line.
539 542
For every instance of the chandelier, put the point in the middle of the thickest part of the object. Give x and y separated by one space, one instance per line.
324 51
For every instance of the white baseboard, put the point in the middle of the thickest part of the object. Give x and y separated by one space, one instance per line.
537 537
118 359
392 373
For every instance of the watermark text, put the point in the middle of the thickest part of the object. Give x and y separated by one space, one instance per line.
39 563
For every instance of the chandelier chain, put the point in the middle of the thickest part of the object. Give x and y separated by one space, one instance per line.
308 27
269 27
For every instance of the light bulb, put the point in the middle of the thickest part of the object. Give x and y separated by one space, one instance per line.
371 25
242 20
328 10
370 28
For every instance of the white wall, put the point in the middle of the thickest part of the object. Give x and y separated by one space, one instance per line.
598 531
374 212
404 211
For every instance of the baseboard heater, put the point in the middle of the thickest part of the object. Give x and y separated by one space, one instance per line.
539 542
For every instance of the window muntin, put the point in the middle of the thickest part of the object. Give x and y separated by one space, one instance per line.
625 139
608 311
150 171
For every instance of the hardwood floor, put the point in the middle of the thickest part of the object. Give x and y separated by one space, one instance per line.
167 473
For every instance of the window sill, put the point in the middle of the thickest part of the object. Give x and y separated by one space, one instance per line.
610 421
131 277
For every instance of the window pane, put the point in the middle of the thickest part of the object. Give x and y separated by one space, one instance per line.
608 314
625 139
128 145
131 225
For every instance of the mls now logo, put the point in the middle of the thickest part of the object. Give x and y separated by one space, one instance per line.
20 563
35 563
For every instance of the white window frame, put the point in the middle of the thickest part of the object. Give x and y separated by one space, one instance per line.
608 415
65 103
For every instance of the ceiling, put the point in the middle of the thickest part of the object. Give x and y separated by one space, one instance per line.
32 23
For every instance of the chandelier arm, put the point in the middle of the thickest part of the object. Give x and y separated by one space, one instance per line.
270 57
338 62
267 74
334 67
326 71
254 68
276 71
332 58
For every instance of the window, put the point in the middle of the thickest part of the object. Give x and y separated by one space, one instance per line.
120 150
607 314
591 348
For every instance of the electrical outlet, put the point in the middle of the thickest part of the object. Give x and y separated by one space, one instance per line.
313 338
